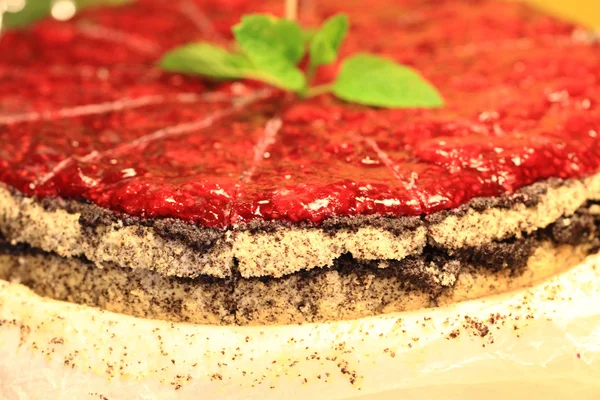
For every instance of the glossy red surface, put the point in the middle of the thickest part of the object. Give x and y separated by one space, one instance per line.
85 115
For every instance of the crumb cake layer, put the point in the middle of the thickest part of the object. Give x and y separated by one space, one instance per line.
168 196
348 289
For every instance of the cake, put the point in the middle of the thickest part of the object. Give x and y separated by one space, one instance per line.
166 196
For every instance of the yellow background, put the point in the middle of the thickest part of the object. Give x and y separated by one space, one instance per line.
583 11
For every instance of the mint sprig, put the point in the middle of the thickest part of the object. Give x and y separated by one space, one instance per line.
270 49
35 10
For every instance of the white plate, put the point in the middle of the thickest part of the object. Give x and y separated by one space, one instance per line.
544 342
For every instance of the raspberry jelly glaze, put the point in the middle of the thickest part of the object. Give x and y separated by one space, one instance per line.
85 114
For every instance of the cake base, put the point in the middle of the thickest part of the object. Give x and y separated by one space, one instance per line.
353 290
543 337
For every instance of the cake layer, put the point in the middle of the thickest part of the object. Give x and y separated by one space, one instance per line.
266 248
97 120
349 289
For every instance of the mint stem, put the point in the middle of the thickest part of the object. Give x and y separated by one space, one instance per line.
319 90
310 73
291 9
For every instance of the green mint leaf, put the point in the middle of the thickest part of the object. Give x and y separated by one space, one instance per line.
208 60
32 12
213 62
274 46
284 37
326 42
377 81
36 10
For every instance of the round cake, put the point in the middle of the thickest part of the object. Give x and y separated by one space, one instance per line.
139 208
167 196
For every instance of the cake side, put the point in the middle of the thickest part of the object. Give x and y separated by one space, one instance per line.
349 289
272 249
